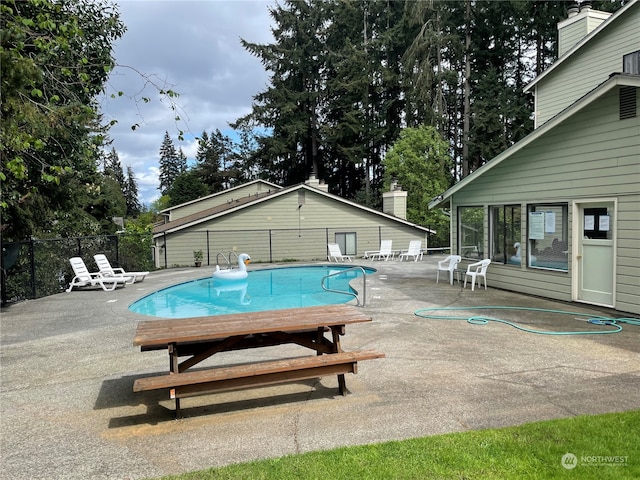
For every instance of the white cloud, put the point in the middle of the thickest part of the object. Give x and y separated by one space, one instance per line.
192 47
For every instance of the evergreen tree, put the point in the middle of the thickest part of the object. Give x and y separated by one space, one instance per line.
214 161
207 163
113 168
290 106
187 186
170 164
347 76
248 163
131 194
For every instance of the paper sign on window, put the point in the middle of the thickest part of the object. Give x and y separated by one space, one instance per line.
589 222
603 223
550 222
536 225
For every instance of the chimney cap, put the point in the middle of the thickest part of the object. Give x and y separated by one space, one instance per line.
573 9
585 5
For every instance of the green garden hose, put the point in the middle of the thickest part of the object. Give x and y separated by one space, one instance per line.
616 323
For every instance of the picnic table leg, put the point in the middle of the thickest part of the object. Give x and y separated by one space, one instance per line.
174 367
336 331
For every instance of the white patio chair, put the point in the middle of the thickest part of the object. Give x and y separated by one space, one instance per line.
449 264
385 251
336 254
415 251
477 270
108 271
83 278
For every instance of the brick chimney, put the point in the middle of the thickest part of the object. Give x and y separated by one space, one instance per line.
394 202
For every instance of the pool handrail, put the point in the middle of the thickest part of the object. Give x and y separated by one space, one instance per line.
355 295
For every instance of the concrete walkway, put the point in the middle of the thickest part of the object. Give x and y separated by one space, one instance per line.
68 365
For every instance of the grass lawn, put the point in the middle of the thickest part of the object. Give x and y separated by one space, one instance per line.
604 446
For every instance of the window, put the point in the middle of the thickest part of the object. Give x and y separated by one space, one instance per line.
548 236
631 63
597 225
347 242
471 232
505 227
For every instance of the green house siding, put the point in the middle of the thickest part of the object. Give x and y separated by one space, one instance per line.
590 156
278 229
588 67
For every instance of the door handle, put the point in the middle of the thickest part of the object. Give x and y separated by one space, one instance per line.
578 257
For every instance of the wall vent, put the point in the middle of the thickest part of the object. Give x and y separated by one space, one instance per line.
628 102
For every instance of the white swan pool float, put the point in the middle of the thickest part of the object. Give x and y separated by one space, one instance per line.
228 274
228 289
517 258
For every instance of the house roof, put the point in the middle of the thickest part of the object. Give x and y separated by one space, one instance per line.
255 199
269 184
615 80
588 38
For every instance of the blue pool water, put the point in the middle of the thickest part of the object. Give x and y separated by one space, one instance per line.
269 289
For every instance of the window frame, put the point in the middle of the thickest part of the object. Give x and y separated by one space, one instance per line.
507 238
348 242
551 248
477 249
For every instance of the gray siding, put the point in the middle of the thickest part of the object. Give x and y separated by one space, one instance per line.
588 67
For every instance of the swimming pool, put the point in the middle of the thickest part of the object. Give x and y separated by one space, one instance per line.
268 289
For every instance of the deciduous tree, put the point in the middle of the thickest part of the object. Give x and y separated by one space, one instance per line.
55 56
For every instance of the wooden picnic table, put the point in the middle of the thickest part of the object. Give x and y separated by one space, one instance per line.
317 328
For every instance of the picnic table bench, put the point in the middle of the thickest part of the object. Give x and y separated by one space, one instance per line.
200 338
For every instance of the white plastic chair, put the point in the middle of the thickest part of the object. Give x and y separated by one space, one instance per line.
84 278
108 271
415 251
449 264
336 254
477 270
385 251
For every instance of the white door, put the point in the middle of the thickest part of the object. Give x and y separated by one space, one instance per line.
594 240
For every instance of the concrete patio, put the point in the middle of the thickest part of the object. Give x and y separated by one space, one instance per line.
68 365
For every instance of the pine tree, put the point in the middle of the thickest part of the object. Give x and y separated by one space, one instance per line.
186 187
290 107
113 168
347 76
131 194
215 164
170 164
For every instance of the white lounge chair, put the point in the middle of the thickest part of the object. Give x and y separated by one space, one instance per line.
449 264
108 271
83 278
415 251
385 251
477 270
336 254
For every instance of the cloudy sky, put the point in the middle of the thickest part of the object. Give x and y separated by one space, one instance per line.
192 47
